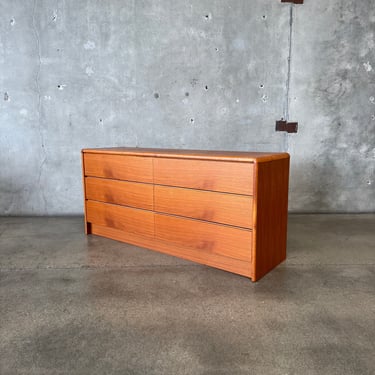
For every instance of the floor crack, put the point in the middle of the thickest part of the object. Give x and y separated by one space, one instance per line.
98 268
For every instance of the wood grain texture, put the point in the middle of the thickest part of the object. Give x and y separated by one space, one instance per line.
206 238
211 206
210 259
121 167
271 216
234 156
222 176
133 194
129 220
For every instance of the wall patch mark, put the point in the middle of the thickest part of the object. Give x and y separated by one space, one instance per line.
89 45
89 71
194 82
367 66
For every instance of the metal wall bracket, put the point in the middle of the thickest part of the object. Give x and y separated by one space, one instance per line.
292 1
284 126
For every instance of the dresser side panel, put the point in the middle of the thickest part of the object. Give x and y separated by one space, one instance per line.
271 200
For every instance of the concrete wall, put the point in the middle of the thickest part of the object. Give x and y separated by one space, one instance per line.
332 95
186 74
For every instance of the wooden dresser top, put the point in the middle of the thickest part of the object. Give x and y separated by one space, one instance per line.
239 156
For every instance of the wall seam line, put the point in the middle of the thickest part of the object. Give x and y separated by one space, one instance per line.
286 114
39 107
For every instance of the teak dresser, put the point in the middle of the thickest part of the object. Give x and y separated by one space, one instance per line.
223 209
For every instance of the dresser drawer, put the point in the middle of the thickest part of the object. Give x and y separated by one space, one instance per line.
232 177
211 206
120 167
129 220
206 237
133 194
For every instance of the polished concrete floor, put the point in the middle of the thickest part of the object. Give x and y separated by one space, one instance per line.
71 304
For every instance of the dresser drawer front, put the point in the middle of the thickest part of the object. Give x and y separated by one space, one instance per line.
120 167
133 194
129 220
221 176
211 206
206 237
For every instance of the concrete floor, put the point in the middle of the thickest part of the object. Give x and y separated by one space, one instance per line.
71 304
